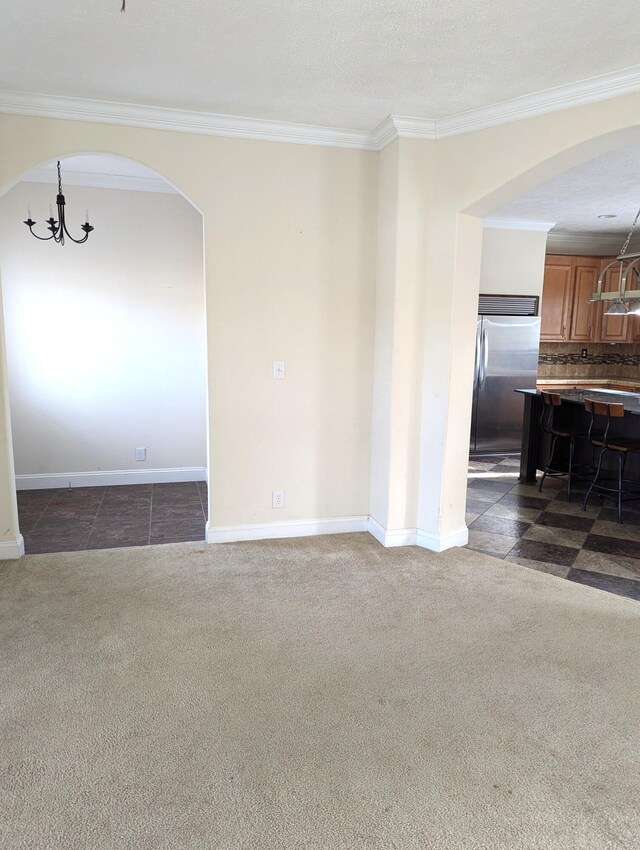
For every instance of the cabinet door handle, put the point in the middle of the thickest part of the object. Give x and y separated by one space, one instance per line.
564 328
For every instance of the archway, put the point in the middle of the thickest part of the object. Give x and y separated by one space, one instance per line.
94 363
467 255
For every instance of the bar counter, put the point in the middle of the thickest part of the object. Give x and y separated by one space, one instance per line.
536 444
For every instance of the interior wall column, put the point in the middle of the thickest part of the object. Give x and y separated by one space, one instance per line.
453 281
404 197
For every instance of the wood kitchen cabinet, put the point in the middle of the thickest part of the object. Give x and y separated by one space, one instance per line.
566 313
556 299
582 326
612 328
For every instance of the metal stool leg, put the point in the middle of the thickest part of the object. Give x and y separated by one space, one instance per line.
549 465
621 463
595 478
572 444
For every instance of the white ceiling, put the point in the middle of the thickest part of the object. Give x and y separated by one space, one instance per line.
340 63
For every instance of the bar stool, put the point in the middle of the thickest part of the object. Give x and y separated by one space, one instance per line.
622 446
550 404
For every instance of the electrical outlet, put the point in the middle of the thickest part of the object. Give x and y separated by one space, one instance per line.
583 354
141 454
277 498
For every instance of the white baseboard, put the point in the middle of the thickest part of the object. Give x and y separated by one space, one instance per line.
417 537
292 528
440 542
11 549
391 537
110 477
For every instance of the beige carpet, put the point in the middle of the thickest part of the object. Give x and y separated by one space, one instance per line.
320 693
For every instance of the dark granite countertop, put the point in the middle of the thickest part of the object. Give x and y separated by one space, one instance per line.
630 401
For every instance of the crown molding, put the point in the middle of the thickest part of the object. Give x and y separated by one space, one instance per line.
415 128
602 87
182 121
384 133
402 127
96 180
509 224
594 89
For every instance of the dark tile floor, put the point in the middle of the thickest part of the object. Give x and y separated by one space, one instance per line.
106 517
544 531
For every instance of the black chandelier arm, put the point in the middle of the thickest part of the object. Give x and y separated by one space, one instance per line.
29 222
87 230
63 231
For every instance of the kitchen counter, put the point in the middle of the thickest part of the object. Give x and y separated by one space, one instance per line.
536 444
612 383
577 395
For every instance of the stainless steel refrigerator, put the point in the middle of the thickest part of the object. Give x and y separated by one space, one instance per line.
507 342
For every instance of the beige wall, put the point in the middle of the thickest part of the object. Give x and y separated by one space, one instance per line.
290 245
512 261
290 235
106 346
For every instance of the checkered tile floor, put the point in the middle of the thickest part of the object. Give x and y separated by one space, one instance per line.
544 531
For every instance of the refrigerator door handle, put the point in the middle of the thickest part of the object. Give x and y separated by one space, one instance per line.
485 359
476 365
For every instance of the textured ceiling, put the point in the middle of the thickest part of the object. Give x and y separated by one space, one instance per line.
342 63
608 184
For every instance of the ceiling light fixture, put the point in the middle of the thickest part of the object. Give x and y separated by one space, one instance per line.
623 300
607 215
59 228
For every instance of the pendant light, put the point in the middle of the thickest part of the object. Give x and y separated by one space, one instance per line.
617 308
624 301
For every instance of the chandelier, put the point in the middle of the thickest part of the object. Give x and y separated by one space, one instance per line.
625 300
59 228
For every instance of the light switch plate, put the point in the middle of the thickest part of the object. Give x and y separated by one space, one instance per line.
278 370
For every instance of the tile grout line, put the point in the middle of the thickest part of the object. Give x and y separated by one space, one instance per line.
204 513
41 515
104 493
150 515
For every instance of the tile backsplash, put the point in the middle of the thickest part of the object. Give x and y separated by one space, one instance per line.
603 360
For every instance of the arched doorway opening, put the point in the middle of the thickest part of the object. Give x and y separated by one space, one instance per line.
106 357
588 206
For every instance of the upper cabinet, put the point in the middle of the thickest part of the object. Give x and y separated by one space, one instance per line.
556 299
612 328
582 327
566 313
